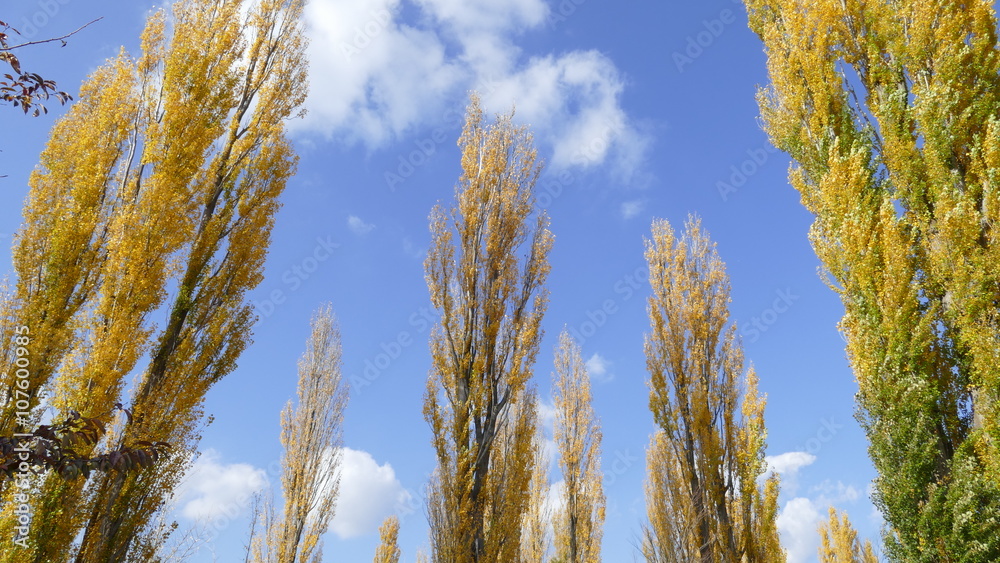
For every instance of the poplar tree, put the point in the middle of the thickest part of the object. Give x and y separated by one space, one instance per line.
579 524
491 299
535 540
891 113
703 498
154 196
839 542
312 437
388 549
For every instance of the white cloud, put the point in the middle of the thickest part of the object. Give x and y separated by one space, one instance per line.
797 526
632 208
374 77
788 465
789 462
412 250
217 489
368 493
358 226
546 414
834 493
597 366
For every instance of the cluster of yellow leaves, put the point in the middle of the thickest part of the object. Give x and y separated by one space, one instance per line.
839 542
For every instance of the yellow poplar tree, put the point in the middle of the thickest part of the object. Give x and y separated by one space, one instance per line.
312 436
839 542
155 195
891 112
579 524
535 540
703 500
491 300
388 549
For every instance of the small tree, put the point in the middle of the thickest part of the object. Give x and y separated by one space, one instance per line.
578 525
388 550
840 544
312 435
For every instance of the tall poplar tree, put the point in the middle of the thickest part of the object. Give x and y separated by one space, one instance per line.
485 270
312 436
839 542
155 195
891 112
579 524
535 540
704 502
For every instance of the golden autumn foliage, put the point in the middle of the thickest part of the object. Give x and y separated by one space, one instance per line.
148 220
579 523
535 540
312 436
491 301
388 549
891 112
703 498
839 542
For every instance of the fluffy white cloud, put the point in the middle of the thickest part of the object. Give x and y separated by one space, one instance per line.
597 366
789 462
835 493
368 493
373 77
212 489
797 525
358 226
632 208
546 414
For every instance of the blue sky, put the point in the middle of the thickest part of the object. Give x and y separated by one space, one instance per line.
651 116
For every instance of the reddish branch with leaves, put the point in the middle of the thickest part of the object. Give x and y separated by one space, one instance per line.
25 89
50 448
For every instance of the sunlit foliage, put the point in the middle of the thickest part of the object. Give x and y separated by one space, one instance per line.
312 436
579 523
388 548
703 499
839 542
147 222
891 112
491 299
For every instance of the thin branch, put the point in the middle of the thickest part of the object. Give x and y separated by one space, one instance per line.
39 42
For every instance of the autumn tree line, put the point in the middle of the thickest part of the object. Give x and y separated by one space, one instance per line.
149 216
